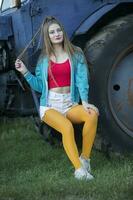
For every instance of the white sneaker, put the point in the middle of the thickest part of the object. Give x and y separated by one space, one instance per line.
85 163
82 174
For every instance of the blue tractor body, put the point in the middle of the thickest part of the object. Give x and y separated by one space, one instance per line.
77 17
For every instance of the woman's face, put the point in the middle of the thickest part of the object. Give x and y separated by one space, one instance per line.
55 34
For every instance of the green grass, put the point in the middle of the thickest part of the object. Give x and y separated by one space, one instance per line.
31 169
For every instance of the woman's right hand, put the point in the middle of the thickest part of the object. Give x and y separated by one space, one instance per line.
19 65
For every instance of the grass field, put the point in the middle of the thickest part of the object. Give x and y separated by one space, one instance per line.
31 169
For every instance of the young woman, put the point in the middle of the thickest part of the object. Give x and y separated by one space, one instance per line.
61 77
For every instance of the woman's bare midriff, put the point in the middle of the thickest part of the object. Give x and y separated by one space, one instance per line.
61 90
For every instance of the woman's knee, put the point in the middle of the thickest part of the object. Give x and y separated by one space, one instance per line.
93 117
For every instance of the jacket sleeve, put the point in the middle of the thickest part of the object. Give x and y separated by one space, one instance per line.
82 78
35 81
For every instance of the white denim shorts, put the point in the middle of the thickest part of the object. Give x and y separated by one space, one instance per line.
58 101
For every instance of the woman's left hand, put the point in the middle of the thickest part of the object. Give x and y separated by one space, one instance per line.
88 106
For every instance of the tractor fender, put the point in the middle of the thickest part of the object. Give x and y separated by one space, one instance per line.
92 19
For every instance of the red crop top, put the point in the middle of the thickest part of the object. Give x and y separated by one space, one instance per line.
60 76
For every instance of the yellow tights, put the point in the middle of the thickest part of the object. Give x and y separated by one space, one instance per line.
62 124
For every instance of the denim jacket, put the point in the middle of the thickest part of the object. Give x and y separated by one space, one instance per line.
79 86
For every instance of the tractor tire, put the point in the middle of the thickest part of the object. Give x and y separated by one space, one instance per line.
110 53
